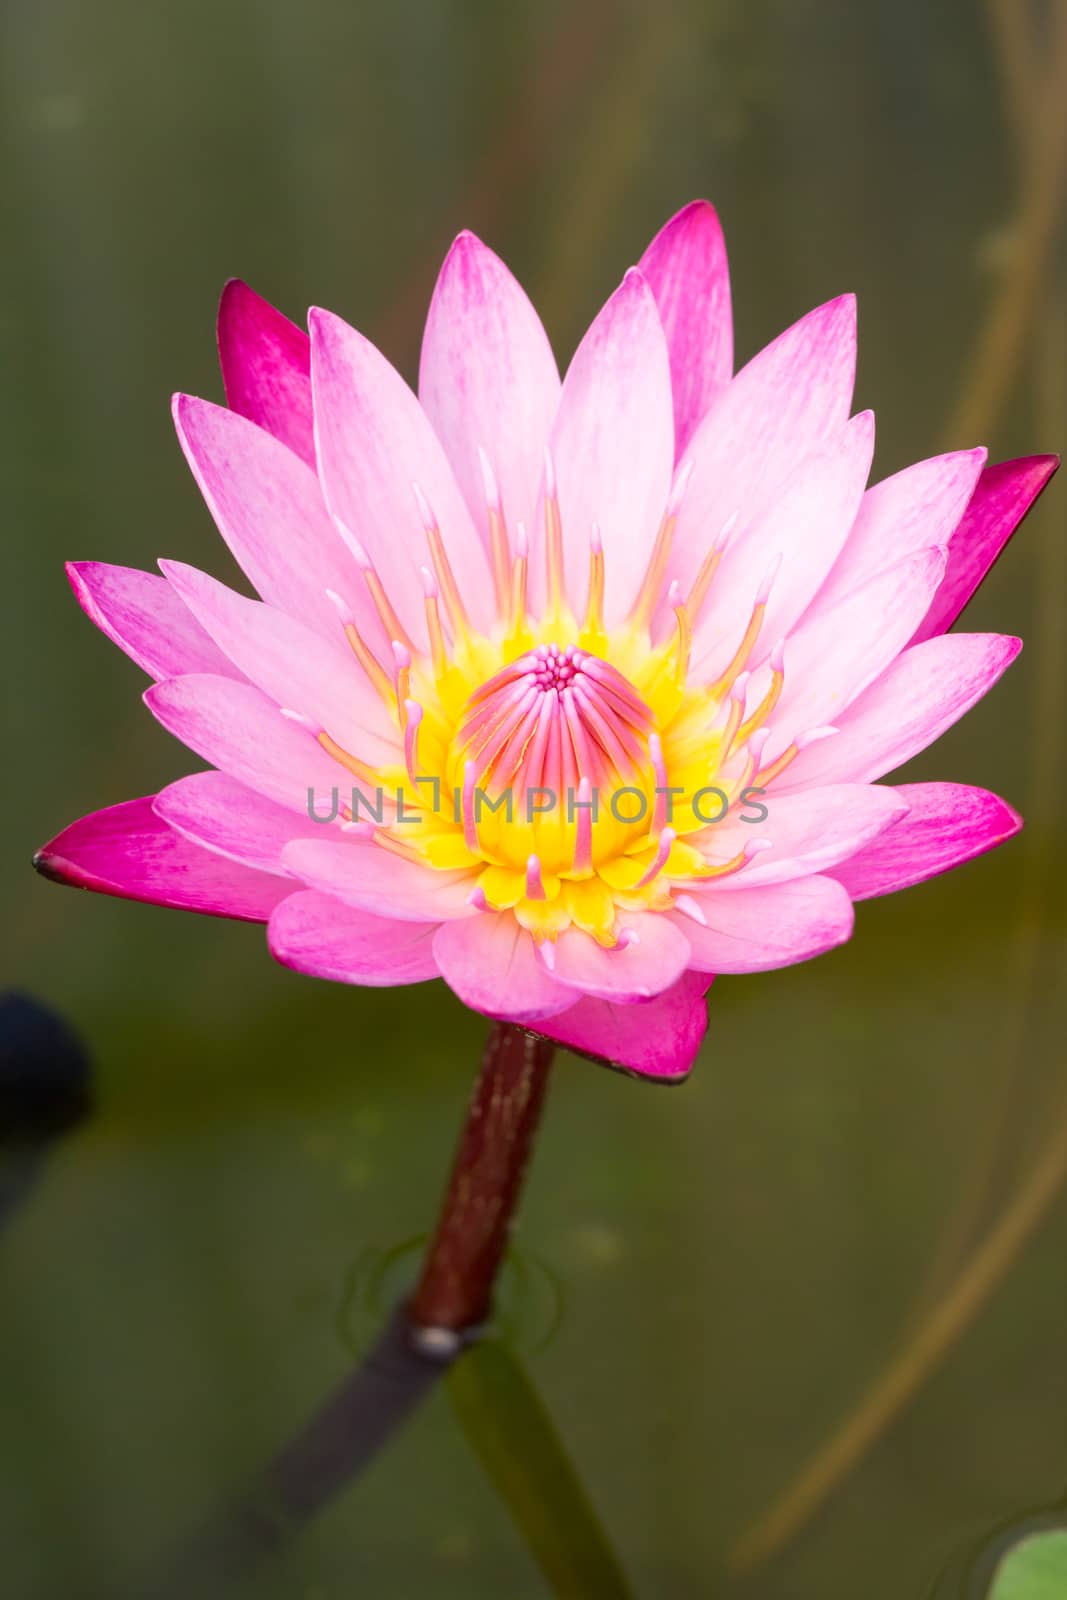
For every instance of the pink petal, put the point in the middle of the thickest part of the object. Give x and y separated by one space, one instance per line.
142 615
948 823
316 934
266 368
790 398
658 1039
636 973
777 926
1004 495
491 964
269 509
613 448
488 379
923 692
806 525
910 511
234 727
372 878
836 653
217 812
686 269
808 831
374 442
293 664
127 850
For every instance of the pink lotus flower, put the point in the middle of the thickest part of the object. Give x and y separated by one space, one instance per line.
649 584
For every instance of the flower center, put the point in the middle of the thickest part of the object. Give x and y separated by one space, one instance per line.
552 717
572 770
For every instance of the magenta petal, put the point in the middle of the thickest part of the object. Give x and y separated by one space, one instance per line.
129 851
364 875
140 612
297 666
915 508
266 367
756 930
808 831
835 654
658 1039
374 442
234 727
1004 495
268 506
804 527
217 812
947 824
613 449
491 964
924 691
687 271
789 400
631 974
315 934
488 381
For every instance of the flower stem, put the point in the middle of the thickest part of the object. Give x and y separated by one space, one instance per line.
454 1293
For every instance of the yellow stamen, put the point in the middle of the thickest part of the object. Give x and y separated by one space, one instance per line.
498 548
683 643
447 581
656 571
723 684
397 847
391 622
498 534
765 775
554 556
369 662
765 707
359 769
594 611
518 583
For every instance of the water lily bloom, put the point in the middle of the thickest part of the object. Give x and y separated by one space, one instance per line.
573 693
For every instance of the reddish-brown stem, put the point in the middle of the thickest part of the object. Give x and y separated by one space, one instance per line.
455 1289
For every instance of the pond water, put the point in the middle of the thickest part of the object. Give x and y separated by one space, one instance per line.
706 1280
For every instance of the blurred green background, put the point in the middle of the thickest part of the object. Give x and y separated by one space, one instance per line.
736 1260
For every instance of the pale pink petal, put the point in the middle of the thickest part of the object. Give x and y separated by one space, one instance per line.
491 964
806 526
374 442
269 509
214 810
488 380
910 511
658 1039
790 398
924 691
808 831
835 654
368 876
613 448
295 665
776 926
235 727
142 615
129 851
1004 495
656 958
317 935
686 269
947 823
266 367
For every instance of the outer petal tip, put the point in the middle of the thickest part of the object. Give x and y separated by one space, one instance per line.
53 867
